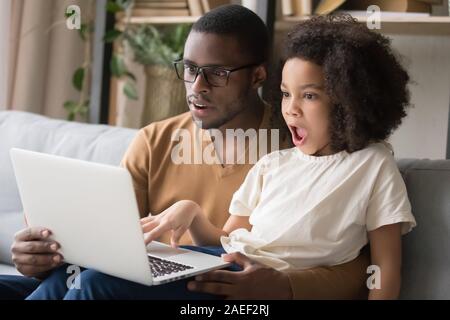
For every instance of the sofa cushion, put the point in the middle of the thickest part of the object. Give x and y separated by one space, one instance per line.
10 223
426 250
8 269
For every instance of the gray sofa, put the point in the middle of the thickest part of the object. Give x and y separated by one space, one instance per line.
426 253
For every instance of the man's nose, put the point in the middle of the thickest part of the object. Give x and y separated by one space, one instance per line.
200 85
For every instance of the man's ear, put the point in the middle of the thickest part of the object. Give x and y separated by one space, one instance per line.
259 76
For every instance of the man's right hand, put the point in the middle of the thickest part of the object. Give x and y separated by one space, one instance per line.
34 253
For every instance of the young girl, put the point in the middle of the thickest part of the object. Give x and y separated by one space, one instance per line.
338 188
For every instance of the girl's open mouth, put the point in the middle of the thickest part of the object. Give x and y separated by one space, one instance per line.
298 135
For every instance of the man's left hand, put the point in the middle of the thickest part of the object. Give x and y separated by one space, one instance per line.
255 281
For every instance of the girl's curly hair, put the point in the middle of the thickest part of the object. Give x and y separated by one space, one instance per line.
365 81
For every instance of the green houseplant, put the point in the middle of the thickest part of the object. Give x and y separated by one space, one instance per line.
156 49
157 46
82 75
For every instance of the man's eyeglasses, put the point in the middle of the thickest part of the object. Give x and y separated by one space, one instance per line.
215 76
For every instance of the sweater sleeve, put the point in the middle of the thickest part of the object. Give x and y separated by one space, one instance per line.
246 198
345 281
137 160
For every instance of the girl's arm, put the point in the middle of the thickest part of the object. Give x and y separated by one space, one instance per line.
187 215
203 232
386 253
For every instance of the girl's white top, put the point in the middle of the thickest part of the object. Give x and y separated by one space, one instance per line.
309 211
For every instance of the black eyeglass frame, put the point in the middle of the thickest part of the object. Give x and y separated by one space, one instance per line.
200 70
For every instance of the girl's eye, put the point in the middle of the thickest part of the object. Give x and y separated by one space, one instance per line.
309 96
284 94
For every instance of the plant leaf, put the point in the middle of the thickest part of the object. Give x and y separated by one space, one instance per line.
78 79
81 110
117 65
74 109
112 35
84 29
124 3
157 46
130 91
70 105
113 7
69 14
130 75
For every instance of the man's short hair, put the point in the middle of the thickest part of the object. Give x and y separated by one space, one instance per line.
242 23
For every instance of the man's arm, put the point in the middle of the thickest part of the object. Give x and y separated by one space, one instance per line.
345 281
137 161
255 281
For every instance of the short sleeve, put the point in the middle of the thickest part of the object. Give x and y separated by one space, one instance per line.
137 160
389 203
246 198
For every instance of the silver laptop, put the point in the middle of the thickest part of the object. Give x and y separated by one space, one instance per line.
92 211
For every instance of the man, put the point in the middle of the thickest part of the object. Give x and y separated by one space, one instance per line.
223 67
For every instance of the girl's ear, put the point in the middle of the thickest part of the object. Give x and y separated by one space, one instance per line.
259 76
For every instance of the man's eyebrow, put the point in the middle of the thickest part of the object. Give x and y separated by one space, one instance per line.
206 65
188 61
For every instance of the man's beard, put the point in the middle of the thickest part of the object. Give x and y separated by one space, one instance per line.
227 117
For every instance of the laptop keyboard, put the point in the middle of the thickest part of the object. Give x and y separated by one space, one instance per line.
161 267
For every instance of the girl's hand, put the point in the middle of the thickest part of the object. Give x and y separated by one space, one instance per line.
177 218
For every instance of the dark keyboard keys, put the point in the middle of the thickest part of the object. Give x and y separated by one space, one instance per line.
161 267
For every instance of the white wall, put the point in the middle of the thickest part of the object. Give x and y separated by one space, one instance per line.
423 133
251 4
5 13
